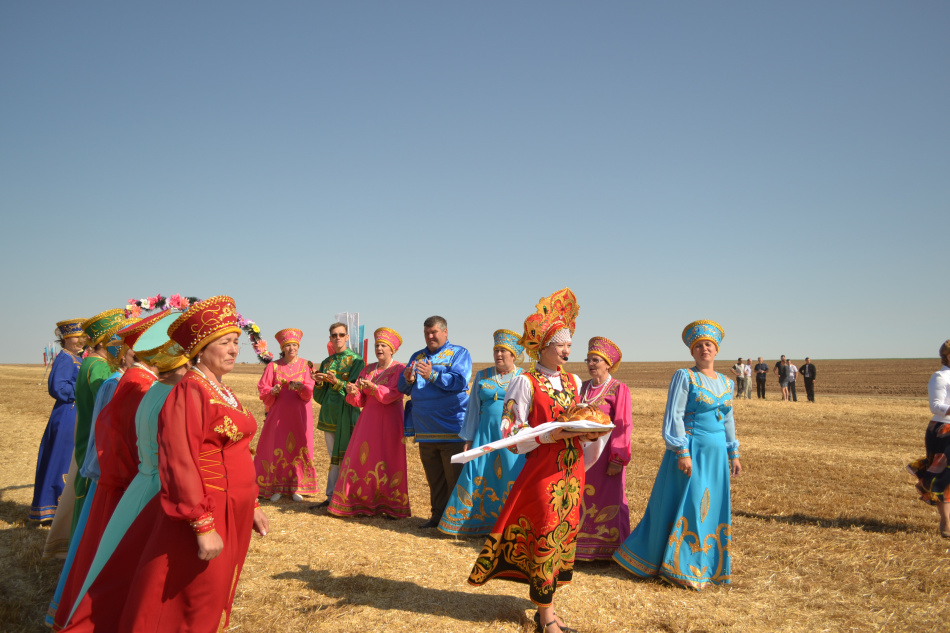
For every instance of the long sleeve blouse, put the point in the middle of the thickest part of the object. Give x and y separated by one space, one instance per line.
674 426
278 373
194 427
939 390
383 385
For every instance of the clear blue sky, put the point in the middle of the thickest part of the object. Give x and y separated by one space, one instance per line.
782 168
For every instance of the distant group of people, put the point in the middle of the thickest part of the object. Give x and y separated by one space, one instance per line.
162 486
785 371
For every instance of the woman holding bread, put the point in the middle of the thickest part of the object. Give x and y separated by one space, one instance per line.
534 539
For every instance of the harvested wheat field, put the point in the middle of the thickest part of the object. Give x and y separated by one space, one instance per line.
828 534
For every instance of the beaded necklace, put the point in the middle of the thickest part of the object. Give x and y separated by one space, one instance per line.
594 393
227 397
379 371
503 383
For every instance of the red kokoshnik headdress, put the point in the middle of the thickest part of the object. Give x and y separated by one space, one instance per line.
288 335
204 322
555 313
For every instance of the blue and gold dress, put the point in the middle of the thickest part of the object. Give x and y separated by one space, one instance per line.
56 447
685 534
484 484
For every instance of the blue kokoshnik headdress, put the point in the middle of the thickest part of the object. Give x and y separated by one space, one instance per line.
506 339
703 331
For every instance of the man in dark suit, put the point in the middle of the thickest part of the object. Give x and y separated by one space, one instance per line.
809 374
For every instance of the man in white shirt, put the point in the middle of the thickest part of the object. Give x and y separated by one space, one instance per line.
792 374
748 378
739 375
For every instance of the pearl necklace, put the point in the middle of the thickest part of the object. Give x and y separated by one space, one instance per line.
497 379
227 397
590 396
379 371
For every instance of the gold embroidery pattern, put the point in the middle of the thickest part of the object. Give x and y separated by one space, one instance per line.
290 458
373 491
474 503
564 398
600 516
229 429
698 577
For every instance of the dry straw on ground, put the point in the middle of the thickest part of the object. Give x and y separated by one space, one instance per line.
828 534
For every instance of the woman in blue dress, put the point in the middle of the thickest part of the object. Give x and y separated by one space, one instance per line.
485 481
56 447
686 531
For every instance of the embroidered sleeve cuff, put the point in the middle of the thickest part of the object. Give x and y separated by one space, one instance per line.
433 376
683 452
733 454
203 524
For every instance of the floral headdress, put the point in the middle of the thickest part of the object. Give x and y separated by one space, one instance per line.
257 341
175 302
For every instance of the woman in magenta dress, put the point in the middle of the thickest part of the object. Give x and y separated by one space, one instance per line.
190 566
284 458
605 516
373 472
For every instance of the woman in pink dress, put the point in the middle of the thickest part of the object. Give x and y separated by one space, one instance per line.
605 516
373 472
284 458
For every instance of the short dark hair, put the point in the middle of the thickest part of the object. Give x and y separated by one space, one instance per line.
436 321
338 324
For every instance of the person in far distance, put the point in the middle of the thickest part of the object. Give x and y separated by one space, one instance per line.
737 376
284 457
337 416
781 372
52 464
485 482
933 476
605 515
809 373
748 378
761 375
792 374
686 531
373 477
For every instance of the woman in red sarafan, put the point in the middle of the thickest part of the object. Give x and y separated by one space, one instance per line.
190 565
534 539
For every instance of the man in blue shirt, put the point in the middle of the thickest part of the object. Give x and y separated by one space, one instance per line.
437 379
761 374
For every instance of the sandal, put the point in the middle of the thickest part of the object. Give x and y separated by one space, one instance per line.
543 629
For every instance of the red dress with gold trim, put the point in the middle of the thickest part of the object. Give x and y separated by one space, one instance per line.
534 539
205 467
118 462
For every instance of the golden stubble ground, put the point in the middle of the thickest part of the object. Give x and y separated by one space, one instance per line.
828 534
